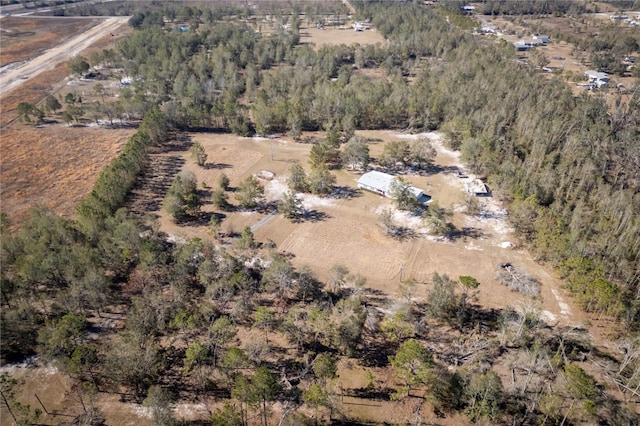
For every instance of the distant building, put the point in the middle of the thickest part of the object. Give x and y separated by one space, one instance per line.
543 38
475 186
380 183
619 17
600 79
523 45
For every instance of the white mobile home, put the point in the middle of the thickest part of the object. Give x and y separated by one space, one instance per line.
380 183
600 79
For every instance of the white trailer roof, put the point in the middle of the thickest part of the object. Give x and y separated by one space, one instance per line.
382 182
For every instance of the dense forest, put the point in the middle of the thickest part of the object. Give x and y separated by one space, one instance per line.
567 167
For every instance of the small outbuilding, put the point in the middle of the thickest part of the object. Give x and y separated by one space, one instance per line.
474 185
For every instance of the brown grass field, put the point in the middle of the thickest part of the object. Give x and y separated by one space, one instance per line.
348 232
335 35
54 166
25 38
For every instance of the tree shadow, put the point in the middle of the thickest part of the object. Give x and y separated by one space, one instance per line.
344 192
401 233
216 166
266 207
153 183
202 219
376 353
376 297
315 216
180 143
375 394
464 233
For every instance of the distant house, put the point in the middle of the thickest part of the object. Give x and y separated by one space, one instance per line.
380 183
600 79
360 26
619 17
523 45
543 38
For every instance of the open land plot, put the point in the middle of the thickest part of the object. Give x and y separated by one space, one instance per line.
55 166
346 230
32 79
14 77
25 38
336 35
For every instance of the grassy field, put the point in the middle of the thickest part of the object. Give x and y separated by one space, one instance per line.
347 230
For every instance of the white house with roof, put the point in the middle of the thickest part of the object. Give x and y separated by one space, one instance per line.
380 183
600 79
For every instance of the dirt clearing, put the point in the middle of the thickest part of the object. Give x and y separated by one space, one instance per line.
346 230
336 36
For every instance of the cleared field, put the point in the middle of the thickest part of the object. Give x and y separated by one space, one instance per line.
34 53
25 38
54 166
336 35
346 230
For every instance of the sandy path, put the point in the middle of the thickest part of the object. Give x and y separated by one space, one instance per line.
47 61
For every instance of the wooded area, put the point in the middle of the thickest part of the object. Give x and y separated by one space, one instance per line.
567 167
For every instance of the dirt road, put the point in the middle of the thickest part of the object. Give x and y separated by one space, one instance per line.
13 78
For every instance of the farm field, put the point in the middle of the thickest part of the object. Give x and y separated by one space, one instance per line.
347 231
25 38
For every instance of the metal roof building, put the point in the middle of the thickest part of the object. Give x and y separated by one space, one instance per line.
380 183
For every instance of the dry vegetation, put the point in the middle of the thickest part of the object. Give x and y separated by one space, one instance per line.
337 35
56 165
25 38
50 33
352 223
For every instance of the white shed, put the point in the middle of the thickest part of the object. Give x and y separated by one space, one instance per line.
474 185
